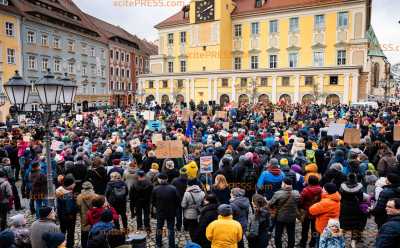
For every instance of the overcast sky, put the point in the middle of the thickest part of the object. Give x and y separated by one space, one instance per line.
140 20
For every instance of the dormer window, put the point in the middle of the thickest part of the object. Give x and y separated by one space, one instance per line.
259 3
185 10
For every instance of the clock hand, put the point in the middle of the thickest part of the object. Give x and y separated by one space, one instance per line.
209 7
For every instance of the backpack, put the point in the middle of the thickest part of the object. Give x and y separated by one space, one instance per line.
2 193
118 194
253 227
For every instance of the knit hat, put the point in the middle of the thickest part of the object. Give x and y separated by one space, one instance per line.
7 239
225 210
297 168
18 220
155 166
162 176
140 173
284 162
53 240
330 188
44 212
333 223
274 162
106 216
87 185
169 165
237 192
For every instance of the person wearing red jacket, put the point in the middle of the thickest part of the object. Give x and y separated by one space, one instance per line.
310 195
98 206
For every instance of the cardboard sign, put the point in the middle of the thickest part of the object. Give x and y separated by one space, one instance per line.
341 121
225 125
56 145
148 115
79 117
336 129
396 133
169 149
186 115
156 138
278 116
220 114
206 164
135 142
352 136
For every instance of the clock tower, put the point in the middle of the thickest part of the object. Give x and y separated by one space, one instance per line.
205 10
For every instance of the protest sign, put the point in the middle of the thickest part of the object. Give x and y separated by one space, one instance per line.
148 115
220 114
341 121
154 125
79 117
396 133
156 137
162 150
135 142
225 125
278 116
336 129
169 149
206 163
56 145
352 136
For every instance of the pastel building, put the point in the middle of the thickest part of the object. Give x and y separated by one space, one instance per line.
266 50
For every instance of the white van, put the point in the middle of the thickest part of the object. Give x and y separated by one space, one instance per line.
366 104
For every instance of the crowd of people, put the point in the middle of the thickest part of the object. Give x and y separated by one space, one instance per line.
268 177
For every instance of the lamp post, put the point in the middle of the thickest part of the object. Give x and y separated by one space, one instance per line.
55 96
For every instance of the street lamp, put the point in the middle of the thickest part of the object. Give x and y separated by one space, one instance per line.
50 91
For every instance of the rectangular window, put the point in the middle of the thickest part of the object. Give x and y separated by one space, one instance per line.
116 55
258 3
170 39
294 24
165 84
31 37
243 82
151 84
84 70
56 43
45 64
333 80
238 30
92 51
343 19
309 80
264 82
127 58
32 62
183 37
9 29
319 22
254 28
45 40
273 26
318 59
122 56
224 82
71 68
285 81
254 62
93 70
183 66
117 72
122 73
111 54
341 57
10 56
128 74
293 60
238 63
180 83
273 61
71 46
57 65
170 66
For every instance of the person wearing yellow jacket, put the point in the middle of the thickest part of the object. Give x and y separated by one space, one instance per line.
225 232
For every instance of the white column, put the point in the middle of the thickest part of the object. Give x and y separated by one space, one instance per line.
354 88
209 97
233 89
254 90
321 87
157 91
297 89
192 97
215 89
187 86
274 89
171 80
346 89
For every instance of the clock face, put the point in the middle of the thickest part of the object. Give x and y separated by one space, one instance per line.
204 10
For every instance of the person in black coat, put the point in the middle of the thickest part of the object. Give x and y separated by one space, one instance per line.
208 214
389 191
334 174
351 217
389 234
151 158
165 198
140 194
180 183
98 176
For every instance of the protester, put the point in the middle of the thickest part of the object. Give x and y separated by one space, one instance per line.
84 203
45 224
257 229
389 233
221 189
332 236
5 197
116 194
191 205
208 213
21 231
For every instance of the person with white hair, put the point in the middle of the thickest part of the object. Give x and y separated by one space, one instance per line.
21 232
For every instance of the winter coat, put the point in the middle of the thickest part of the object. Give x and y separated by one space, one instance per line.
38 183
330 240
99 178
286 208
94 214
191 202
388 192
224 232
130 177
351 216
240 207
208 214
181 184
40 227
119 205
66 205
261 240
387 162
147 163
140 193
309 196
84 203
334 176
389 234
327 208
223 195
166 199
270 181
5 189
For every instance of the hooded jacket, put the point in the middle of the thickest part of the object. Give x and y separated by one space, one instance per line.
310 195
191 202
327 208
84 202
270 181
286 207
208 214
5 188
240 206
94 214
224 232
140 193
351 216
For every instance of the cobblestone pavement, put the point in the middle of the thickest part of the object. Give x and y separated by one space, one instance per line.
182 237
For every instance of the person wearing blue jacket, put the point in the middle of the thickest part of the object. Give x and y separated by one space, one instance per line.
271 179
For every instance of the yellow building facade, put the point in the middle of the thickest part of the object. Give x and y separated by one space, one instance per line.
256 50
10 48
